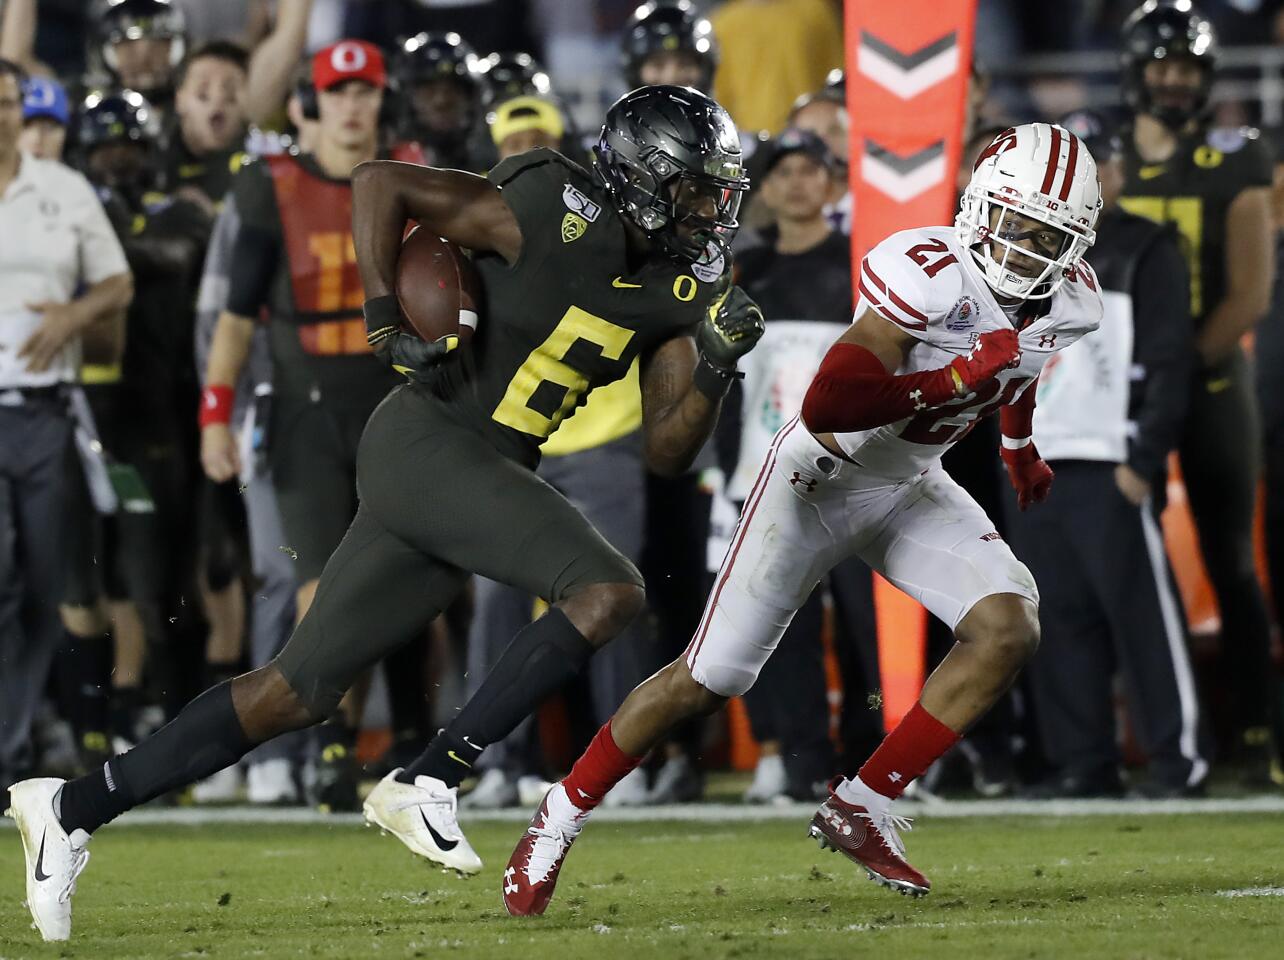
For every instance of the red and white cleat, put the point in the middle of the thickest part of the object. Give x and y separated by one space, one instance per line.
531 875
869 839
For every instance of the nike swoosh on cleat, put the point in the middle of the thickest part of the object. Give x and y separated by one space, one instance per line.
40 861
620 284
445 845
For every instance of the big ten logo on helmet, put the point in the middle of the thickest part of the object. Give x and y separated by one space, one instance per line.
348 57
963 316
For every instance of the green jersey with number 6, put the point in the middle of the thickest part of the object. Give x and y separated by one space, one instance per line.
569 315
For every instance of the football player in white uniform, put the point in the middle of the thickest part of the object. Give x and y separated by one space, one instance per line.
952 325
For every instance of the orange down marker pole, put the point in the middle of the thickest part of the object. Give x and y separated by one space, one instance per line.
907 81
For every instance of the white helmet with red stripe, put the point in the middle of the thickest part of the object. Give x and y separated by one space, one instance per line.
1042 172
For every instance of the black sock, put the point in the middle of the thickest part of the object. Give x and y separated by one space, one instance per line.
125 704
449 758
205 737
539 661
84 669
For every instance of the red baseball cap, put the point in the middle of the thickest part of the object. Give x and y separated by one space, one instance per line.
348 60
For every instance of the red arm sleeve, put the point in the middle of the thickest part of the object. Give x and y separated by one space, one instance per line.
853 391
1016 420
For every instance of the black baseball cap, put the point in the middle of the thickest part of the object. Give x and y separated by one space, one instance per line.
792 141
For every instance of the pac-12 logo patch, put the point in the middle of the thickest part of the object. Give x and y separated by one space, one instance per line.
963 316
573 227
576 202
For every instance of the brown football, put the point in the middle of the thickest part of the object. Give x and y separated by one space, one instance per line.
437 287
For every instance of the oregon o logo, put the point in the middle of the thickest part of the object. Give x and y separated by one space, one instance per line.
348 57
1208 157
684 287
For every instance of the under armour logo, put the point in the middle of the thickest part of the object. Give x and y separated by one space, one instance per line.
807 483
917 397
835 820
1048 340
894 777
510 885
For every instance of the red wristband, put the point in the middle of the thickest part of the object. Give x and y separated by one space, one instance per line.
216 405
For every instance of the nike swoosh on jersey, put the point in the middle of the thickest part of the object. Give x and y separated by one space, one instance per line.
444 845
40 861
620 284
1152 171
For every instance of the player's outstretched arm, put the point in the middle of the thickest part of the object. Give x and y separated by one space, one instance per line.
462 207
856 387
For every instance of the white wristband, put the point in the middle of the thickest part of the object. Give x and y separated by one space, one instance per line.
1013 443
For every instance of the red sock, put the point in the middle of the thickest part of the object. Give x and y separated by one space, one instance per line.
598 769
906 752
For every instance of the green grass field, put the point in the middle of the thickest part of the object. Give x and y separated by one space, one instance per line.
1022 886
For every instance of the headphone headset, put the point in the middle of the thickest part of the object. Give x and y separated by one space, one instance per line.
307 94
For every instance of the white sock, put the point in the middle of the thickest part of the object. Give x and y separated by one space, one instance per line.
855 790
562 810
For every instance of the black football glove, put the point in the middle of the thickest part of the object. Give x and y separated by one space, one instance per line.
408 355
415 359
730 329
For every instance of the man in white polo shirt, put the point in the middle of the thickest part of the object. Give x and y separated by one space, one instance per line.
55 242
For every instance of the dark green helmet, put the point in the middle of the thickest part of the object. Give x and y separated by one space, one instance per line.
670 159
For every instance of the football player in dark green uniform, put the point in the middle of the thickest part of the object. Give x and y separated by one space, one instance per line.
583 272
1213 186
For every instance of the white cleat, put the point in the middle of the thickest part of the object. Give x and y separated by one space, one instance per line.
769 781
422 816
532 789
54 860
270 783
494 791
631 791
222 787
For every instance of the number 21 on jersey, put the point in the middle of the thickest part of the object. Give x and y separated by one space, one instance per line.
547 364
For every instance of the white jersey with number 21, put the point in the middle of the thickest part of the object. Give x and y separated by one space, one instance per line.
920 280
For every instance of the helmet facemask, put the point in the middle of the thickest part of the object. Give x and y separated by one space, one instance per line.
692 217
992 229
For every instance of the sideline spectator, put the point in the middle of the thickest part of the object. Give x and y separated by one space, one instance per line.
42 325
773 51
1110 409
1213 186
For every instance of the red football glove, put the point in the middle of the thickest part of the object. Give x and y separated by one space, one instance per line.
1030 474
994 351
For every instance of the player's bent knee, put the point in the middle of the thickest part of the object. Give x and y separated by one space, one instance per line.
600 611
291 698
725 680
688 696
1006 623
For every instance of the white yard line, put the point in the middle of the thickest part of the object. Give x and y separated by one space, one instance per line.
735 813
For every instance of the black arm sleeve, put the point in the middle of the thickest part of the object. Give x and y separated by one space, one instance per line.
257 250
1164 346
